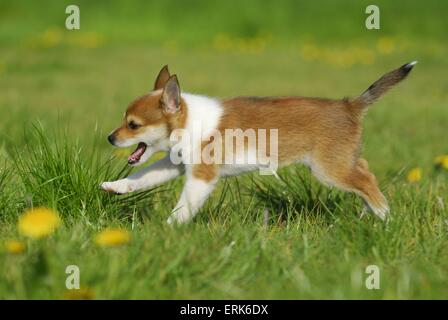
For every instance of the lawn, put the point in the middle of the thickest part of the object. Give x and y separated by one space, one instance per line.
257 237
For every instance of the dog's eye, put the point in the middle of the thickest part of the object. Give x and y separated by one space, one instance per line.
132 125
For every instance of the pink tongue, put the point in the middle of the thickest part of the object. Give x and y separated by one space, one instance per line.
135 156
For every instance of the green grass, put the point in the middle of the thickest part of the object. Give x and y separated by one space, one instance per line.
257 237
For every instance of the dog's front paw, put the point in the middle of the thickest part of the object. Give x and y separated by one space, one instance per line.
117 187
179 217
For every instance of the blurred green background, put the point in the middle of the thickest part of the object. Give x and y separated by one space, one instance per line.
308 48
198 22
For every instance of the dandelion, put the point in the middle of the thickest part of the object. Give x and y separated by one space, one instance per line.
14 246
340 58
363 55
51 37
112 237
87 40
442 161
415 175
310 52
366 56
259 43
222 42
38 223
79 294
385 45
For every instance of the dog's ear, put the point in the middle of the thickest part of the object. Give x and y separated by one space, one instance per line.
171 96
162 78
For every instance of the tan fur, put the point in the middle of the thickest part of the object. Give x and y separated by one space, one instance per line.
205 172
147 111
325 133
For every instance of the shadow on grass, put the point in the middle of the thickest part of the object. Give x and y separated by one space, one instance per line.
293 193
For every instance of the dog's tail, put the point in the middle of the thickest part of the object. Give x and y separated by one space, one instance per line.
383 84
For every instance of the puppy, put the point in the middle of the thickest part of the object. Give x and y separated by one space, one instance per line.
324 134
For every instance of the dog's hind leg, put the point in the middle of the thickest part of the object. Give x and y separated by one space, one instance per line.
363 182
357 179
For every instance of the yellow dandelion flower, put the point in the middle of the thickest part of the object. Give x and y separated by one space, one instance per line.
340 58
385 45
310 52
365 56
79 294
38 222
442 161
14 246
415 175
222 42
86 40
112 237
258 44
51 37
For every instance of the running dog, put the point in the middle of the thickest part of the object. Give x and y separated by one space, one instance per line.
324 134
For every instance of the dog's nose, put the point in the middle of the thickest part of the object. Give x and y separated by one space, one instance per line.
111 139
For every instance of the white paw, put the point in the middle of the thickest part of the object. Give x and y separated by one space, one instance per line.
381 212
179 217
118 187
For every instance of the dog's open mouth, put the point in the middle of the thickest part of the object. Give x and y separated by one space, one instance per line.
137 154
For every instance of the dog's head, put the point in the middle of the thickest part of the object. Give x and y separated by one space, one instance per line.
150 119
